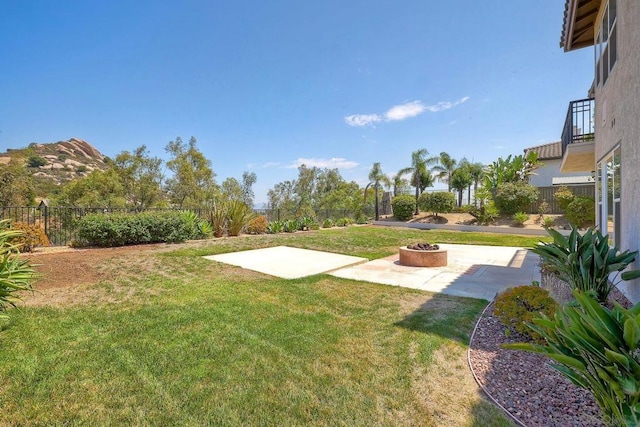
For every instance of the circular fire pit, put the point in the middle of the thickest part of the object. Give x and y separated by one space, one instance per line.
423 255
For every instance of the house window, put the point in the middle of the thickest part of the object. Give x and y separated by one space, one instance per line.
606 43
608 189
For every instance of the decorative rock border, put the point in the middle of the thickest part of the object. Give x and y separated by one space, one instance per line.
415 258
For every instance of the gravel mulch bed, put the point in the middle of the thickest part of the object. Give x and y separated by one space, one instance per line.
524 384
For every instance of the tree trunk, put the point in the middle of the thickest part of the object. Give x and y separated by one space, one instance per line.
377 216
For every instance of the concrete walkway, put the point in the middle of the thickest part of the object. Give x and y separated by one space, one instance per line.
472 271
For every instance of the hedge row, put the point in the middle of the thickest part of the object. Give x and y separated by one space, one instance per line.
125 229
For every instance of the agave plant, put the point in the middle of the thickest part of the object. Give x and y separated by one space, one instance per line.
15 274
598 350
586 261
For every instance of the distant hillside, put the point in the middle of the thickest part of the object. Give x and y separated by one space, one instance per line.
55 164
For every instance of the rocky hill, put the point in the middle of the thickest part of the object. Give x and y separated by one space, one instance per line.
54 164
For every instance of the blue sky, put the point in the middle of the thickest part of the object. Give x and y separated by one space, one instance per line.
268 85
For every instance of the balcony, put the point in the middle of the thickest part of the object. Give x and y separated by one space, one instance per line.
578 142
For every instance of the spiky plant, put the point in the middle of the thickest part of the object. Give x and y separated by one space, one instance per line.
16 274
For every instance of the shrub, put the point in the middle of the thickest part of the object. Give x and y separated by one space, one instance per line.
488 213
327 223
30 236
580 211
438 202
564 196
195 226
16 274
586 261
341 222
543 209
597 349
403 207
362 219
520 218
258 225
275 227
548 222
238 216
36 161
520 305
513 197
127 229
306 223
290 226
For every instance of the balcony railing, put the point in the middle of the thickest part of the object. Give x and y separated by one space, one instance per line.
579 124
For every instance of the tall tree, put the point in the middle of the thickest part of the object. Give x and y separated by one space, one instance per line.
101 189
141 177
399 184
192 183
448 165
16 185
376 176
419 170
460 179
476 170
248 179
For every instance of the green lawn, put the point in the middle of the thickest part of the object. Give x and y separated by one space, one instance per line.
174 339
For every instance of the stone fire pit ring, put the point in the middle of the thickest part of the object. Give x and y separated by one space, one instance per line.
420 258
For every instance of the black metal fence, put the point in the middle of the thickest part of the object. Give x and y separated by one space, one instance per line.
60 223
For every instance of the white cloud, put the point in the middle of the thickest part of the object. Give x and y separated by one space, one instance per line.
445 105
404 111
360 120
332 163
401 112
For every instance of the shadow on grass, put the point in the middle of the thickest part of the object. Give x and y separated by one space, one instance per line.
447 316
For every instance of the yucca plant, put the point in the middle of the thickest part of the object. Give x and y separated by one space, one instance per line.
238 216
586 261
598 350
290 226
218 219
16 274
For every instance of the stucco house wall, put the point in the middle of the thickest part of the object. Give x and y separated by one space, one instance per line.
618 122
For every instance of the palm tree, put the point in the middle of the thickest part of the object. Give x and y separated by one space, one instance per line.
419 171
399 182
447 167
376 177
476 170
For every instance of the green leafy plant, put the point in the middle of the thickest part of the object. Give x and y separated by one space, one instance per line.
118 229
543 209
488 213
586 261
438 202
403 207
341 222
16 274
305 223
327 223
290 226
275 227
32 235
548 222
512 197
258 225
597 349
519 305
218 219
238 216
519 218
581 211
578 210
